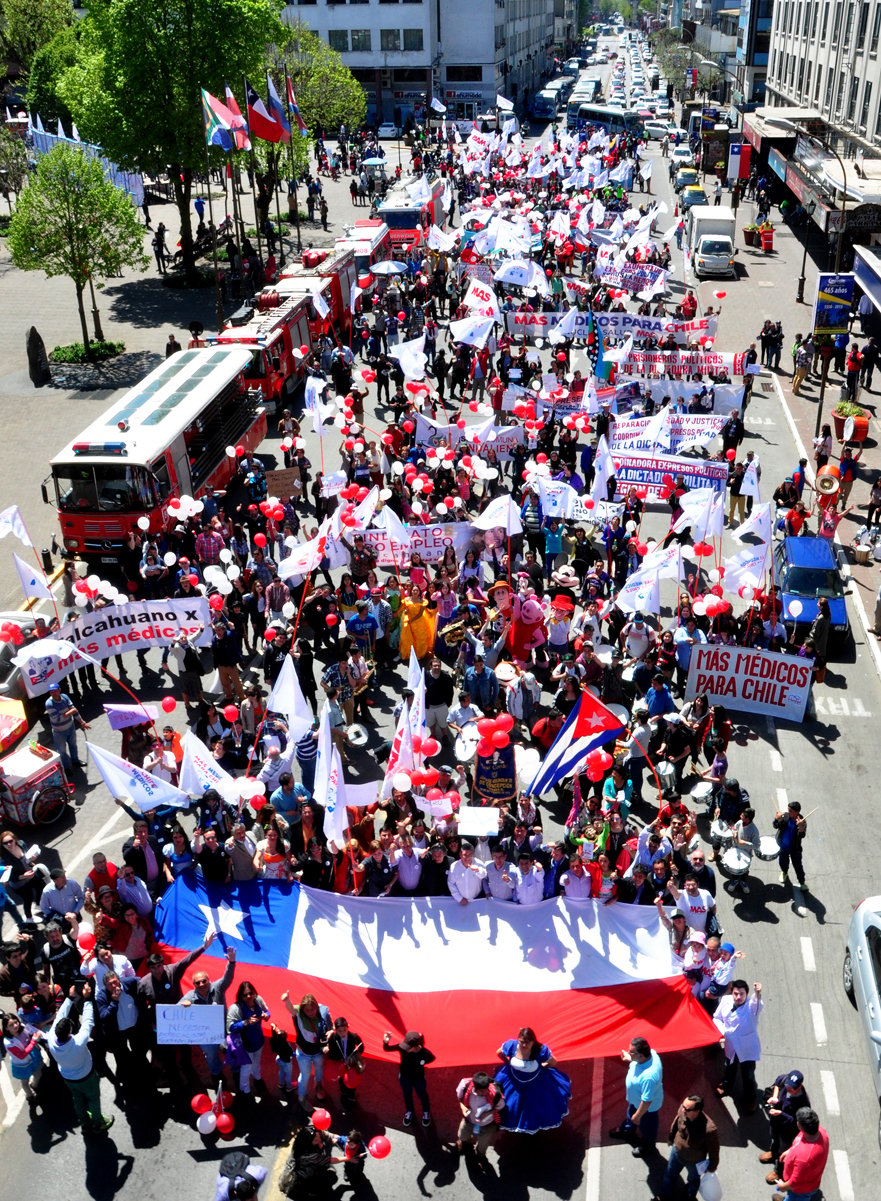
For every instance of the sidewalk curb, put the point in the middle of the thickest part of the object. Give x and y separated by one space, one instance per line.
844 566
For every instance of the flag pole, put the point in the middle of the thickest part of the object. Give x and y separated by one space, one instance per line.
253 185
288 88
218 299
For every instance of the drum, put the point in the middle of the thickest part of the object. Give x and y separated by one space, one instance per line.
356 735
621 712
702 792
603 652
667 775
735 862
863 555
466 744
593 690
720 834
768 848
828 480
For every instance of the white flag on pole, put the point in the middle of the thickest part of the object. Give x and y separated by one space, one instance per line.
124 779
501 513
199 770
31 583
287 697
12 522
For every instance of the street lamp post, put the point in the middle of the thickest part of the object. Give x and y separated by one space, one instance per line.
800 294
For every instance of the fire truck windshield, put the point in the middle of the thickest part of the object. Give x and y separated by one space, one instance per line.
104 488
401 218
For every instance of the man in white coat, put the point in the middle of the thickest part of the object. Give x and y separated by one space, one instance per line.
737 1019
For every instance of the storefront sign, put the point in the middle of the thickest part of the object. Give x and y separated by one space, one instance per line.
751 681
777 163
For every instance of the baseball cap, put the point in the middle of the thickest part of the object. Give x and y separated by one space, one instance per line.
727 946
794 1080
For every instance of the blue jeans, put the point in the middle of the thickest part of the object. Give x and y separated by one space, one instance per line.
65 745
647 1128
672 1174
211 1051
812 1196
285 1071
408 1087
306 1064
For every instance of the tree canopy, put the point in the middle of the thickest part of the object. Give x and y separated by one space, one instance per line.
28 25
47 69
70 220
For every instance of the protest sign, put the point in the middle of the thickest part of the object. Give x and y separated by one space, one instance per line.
429 540
333 483
503 441
718 398
635 277
285 482
495 775
190 1025
680 430
612 325
648 470
683 362
475 821
117 629
751 681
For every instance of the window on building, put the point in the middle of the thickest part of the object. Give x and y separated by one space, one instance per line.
798 19
836 24
863 25
808 79
867 104
839 95
815 12
411 1
830 83
338 39
852 99
390 39
412 39
878 124
307 2
464 74
801 75
818 84
876 30
825 23
361 40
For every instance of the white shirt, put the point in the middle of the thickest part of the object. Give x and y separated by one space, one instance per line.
466 883
528 889
120 965
696 908
576 888
740 1027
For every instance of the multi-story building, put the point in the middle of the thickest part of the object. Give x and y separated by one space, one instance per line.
753 44
464 52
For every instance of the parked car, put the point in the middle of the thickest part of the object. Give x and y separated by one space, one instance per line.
861 977
659 129
685 177
692 195
807 569
683 157
388 129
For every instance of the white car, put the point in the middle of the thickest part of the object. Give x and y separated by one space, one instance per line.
659 129
682 157
388 129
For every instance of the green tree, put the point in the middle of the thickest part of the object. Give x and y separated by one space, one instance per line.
46 71
135 86
72 221
13 164
27 25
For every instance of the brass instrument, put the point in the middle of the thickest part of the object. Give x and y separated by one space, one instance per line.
363 682
454 633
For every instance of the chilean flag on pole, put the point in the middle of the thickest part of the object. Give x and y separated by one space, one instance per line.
260 122
596 974
588 726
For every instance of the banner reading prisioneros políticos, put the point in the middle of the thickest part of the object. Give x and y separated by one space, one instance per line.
647 470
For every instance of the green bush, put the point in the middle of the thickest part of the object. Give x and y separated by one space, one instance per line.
77 353
849 408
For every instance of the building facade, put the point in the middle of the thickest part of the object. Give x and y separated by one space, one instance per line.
464 52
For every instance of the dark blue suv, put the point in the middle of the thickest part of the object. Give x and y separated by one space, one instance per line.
806 569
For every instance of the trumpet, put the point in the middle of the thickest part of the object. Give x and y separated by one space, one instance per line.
454 633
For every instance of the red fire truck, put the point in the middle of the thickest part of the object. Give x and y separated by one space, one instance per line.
371 242
166 437
408 219
328 273
278 339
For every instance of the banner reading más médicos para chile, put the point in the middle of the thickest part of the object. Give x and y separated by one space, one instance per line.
752 681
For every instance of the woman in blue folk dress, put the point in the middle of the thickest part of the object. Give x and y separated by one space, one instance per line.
536 1094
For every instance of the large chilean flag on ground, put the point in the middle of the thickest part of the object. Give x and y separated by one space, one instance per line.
590 976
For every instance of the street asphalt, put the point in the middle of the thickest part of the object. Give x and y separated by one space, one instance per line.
827 763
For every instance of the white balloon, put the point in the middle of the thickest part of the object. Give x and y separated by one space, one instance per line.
82 568
233 571
169 558
254 788
213 572
401 781
206 1123
355 428
699 609
224 587
80 601
458 502
397 469
143 523
794 608
630 527
226 555
231 452
385 494
288 609
441 509
417 507
492 473
93 581
339 421
714 576
196 507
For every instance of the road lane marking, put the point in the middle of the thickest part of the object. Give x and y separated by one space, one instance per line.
93 843
13 1100
819 1023
842 1171
807 955
776 761
829 706
830 1092
595 1133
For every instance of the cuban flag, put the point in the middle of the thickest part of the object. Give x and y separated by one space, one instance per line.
598 974
276 108
295 111
260 122
588 726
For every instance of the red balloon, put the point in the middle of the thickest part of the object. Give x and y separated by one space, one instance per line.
430 747
215 602
417 778
226 1100
417 744
486 726
350 1078
240 450
433 794
331 619
304 350
201 1103
402 316
269 633
731 455
500 739
504 722
86 941
408 426
378 1147
429 775
485 748
278 513
260 540
169 704
321 1119
460 423
194 579
368 376
226 1123
231 713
